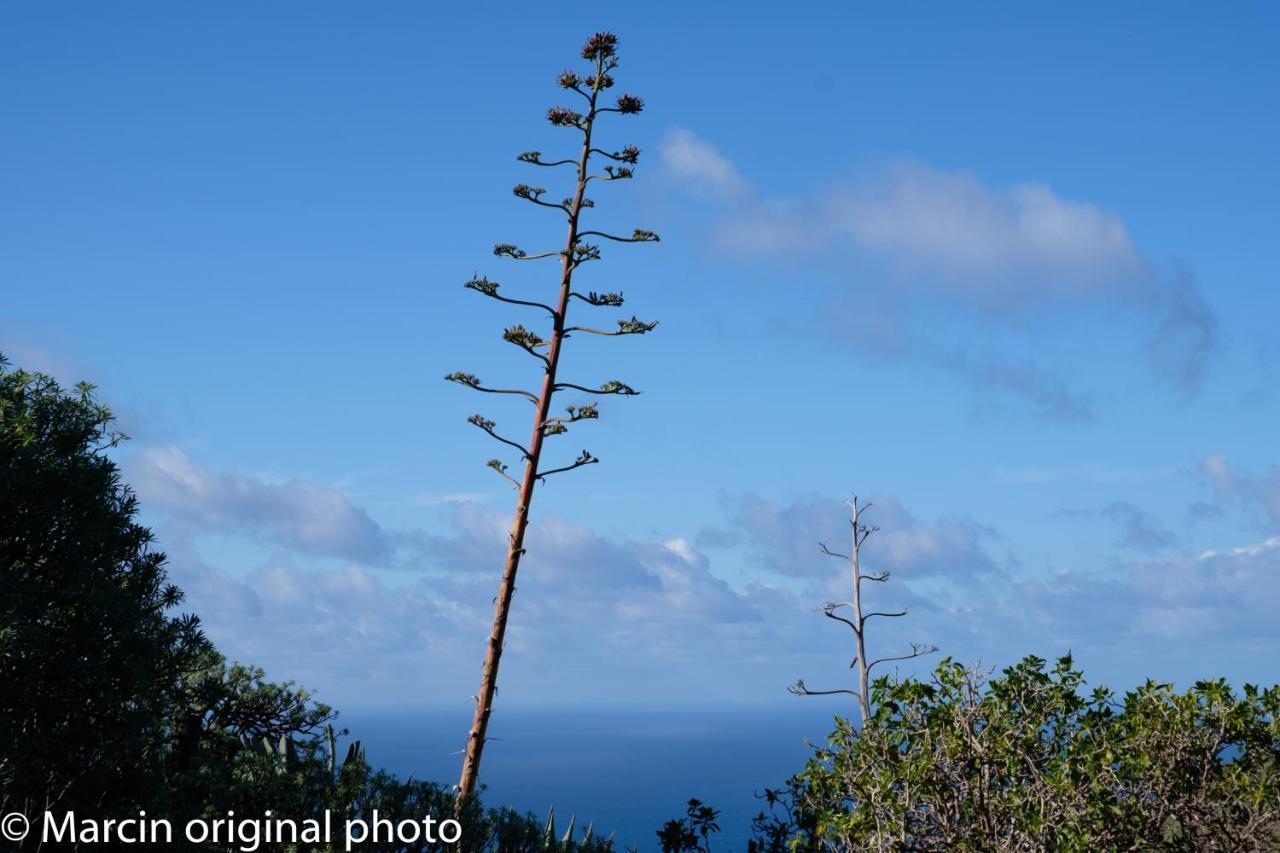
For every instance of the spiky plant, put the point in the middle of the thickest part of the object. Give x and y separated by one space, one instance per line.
601 53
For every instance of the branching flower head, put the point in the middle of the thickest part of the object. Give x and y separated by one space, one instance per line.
600 46
604 81
482 284
564 117
613 386
644 235
629 104
526 191
508 250
568 80
463 378
520 336
482 422
635 327
611 300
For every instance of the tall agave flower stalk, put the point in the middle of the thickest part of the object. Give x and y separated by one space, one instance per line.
601 51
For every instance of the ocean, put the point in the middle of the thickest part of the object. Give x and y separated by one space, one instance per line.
626 770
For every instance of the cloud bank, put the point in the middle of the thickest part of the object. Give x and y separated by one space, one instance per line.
610 619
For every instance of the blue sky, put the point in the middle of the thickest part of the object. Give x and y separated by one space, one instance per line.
1009 271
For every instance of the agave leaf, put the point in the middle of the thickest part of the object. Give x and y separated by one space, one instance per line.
549 834
568 833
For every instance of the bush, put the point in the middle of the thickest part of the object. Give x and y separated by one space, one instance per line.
1027 761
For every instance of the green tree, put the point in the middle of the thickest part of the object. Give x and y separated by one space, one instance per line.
90 655
601 52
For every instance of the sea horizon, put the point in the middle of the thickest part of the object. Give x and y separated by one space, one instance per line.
625 770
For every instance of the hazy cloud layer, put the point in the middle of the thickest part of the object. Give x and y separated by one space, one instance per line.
700 168
993 249
946 239
1258 492
1138 529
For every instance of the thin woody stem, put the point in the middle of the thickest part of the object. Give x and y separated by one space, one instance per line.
864 700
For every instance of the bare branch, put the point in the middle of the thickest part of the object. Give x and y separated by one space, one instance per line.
585 459
473 382
630 154
613 300
916 652
534 158
496 464
625 327
880 613
613 386
639 235
829 612
578 413
627 105
823 547
534 195
799 689
489 288
508 250
488 426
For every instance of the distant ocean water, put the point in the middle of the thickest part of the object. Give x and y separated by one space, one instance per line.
627 770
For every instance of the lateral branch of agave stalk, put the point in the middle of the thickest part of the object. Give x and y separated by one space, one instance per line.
601 52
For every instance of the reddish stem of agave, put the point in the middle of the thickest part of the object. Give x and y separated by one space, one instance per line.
515 548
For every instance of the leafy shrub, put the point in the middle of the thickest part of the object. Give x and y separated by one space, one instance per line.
1029 761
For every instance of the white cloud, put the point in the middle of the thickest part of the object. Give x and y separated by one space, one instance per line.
599 618
700 167
592 617
310 518
946 238
1224 596
946 231
951 224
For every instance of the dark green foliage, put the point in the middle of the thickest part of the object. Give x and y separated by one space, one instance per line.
89 653
692 833
1029 761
